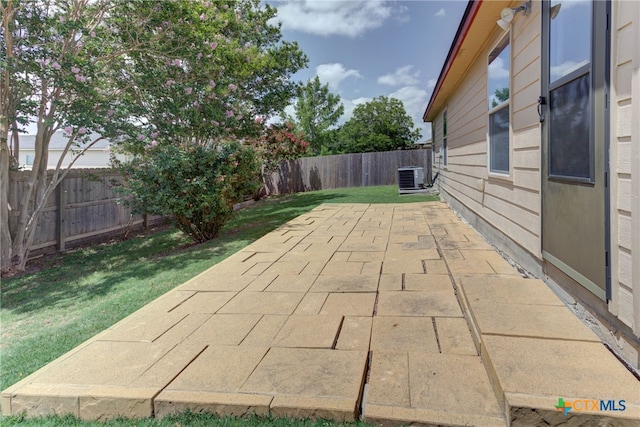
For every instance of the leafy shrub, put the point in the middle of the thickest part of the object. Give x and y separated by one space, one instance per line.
196 184
279 142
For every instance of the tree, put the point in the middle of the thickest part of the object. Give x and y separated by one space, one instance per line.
213 73
500 96
180 72
381 124
56 60
210 69
316 110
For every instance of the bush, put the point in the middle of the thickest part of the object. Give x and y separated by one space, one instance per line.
198 185
279 142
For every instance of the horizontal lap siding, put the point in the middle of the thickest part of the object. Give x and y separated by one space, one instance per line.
511 205
625 163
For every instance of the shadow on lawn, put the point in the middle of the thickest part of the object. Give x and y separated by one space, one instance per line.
159 258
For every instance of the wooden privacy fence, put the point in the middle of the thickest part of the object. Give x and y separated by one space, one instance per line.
83 208
345 170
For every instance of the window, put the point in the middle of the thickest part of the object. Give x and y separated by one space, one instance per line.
570 116
498 83
30 158
444 138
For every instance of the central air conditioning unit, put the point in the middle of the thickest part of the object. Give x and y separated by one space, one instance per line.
410 179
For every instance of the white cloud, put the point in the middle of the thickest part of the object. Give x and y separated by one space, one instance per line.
402 76
415 102
565 68
334 17
498 70
333 74
431 83
441 13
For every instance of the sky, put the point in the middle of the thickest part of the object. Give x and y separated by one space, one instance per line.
368 48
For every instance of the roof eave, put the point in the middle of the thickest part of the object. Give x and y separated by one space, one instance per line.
465 23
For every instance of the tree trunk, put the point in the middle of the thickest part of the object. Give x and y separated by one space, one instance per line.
5 236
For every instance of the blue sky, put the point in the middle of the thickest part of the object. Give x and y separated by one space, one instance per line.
369 48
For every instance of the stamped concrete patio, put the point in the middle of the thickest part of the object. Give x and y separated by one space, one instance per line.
391 313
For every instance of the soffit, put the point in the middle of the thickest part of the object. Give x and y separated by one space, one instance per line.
482 26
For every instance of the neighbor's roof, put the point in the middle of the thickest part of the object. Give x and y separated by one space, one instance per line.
59 141
477 24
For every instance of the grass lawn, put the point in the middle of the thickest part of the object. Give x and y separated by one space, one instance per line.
77 294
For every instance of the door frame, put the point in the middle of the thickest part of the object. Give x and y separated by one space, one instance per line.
599 54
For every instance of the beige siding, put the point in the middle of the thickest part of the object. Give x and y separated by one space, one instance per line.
625 163
513 204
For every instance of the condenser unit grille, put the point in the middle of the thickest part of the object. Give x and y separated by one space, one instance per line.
410 178
407 180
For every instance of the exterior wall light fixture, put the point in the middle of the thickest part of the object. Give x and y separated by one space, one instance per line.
507 14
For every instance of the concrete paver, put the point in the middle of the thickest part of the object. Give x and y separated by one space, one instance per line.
303 331
390 282
403 334
389 381
435 303
138 327
507 289
291 283
462 376
354 304
452 338
201 302
427 282
328 380
210 281
264 332
406 386
355 333
263 303
224 329
312 303
233 365
346 283
347 311
527 320
573 370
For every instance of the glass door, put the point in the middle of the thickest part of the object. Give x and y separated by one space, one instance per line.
575 140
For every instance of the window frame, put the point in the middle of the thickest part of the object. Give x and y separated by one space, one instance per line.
504 41
581 71
444 138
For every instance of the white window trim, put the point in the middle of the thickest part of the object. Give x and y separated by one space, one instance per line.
445 138
493 174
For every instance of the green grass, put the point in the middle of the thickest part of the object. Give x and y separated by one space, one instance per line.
82 292
186 419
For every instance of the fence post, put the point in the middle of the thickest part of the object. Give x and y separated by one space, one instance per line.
61 201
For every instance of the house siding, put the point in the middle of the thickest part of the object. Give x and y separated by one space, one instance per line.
511 204
508 208
625 163
95 158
